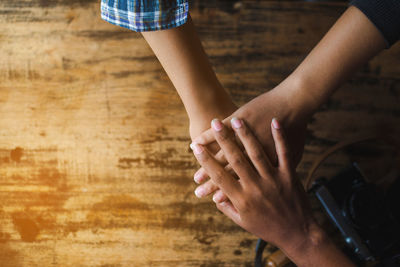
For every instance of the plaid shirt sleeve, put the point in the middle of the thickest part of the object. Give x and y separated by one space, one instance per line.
145 15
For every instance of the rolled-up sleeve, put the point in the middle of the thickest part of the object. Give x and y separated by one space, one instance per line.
384 14
142 15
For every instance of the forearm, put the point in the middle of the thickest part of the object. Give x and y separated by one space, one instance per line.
181 54
350 43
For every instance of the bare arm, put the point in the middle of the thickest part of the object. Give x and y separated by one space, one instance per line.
351 42
181 54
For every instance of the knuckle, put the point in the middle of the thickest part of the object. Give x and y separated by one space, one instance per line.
223 135
237 160
257 156
258 190
226 135
219 175
277 187
203 158
244 205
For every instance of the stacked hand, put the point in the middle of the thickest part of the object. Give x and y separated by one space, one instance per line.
258 114
264 199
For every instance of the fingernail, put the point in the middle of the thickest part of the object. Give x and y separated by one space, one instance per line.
275 123
197 149
199 192
197 177
215 198
216 124
236 123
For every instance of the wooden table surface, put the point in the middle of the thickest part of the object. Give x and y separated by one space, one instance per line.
95 167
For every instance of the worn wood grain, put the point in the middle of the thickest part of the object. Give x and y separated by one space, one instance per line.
95 168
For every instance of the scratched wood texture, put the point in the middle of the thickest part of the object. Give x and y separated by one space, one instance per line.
95 168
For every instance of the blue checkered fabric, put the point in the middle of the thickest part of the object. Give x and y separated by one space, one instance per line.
145 15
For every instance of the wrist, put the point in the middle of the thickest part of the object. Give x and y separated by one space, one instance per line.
316 249
215 102
312 250
297 95
211 101
308 244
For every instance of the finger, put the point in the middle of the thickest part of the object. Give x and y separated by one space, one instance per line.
219 196
213 147
206 189
281 145
201 175
205 138
210 187
227 208
252 146
223 179
236 158
220 157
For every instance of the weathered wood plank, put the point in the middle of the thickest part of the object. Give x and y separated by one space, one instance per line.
95 168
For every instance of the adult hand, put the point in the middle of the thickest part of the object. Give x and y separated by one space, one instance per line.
267 200
279 102
349 44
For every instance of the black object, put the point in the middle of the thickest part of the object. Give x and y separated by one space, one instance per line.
384 14
367 217
258 261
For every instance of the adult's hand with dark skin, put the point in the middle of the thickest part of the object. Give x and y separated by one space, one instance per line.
349 44
267 200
